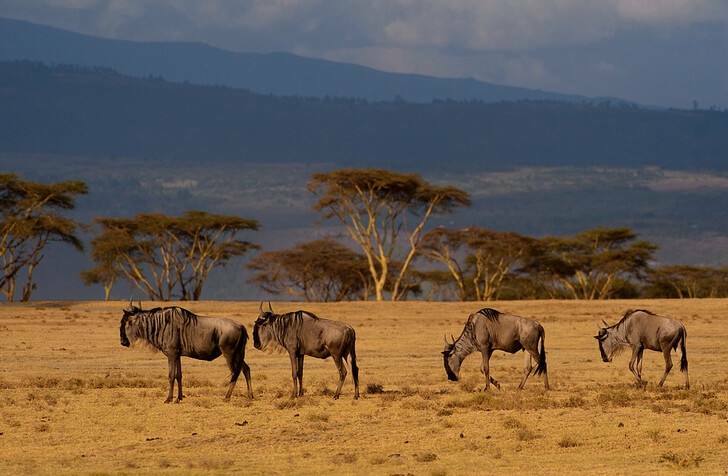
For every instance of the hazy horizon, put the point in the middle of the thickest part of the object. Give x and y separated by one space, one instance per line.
664 53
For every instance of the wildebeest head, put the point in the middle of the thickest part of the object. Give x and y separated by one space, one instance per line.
451 361
608 342
127 326
262 334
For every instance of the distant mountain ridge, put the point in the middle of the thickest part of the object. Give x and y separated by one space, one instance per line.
93 112
270 73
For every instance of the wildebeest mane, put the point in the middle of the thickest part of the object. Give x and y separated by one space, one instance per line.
159 324
629 313
489 313
281 325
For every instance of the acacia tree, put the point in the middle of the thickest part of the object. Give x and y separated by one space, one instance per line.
320 270
162 255
590 264
383 211
478 260
31 219
691 282
105 274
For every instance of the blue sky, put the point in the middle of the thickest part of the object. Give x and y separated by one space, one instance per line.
662 52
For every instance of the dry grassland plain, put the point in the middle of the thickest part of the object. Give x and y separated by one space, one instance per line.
72 400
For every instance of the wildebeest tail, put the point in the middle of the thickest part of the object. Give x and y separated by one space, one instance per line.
351 344
541 366
239 356
683 349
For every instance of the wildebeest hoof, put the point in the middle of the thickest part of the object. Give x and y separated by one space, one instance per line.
169 400
179 400
336 397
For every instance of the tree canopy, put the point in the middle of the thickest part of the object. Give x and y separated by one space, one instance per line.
166 256
320 270
32 216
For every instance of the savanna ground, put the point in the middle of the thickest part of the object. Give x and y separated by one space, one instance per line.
72 400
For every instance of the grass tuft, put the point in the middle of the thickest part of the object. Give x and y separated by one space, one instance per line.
568 442
689 460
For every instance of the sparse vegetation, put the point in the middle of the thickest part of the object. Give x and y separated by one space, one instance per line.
374 388
682 460
418 423
568 442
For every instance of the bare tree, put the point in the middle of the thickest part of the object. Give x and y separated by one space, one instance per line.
375 207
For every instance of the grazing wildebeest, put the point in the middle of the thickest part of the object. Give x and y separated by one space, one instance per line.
488 330
302 333
178 332
640 330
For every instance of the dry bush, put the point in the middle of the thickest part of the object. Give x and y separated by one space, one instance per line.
574 401
317 416
374 388
425 457
617 397
512 423
524 434
416 404
568 442
688 460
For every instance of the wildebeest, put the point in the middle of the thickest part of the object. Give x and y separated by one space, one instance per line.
488 330
641 329
177 332
302 333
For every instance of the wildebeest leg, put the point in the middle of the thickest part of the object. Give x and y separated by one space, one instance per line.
246 373
294 373
342 373
178 364
639 362
527 368
300 375
354 372
633 364
233 364
668 364
485 368
172 374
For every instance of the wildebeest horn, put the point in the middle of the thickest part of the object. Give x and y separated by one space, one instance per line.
605 323
131 303
270 307
453 338
260 308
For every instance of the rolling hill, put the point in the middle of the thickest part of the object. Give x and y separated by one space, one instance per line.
98 112
271 73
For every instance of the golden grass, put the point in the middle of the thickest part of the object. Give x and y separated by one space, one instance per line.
72 400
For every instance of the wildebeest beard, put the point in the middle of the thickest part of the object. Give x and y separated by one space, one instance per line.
452 376
124 340
271 347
